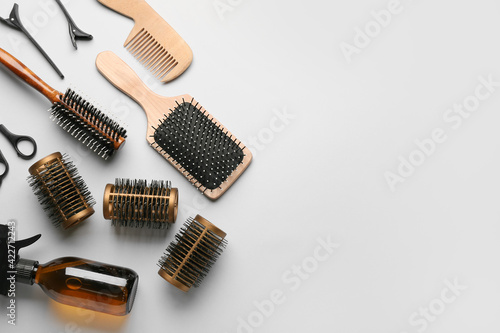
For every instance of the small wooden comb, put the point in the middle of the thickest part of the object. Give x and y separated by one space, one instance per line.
152 40
183 132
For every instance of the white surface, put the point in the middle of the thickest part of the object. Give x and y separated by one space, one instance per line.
321 176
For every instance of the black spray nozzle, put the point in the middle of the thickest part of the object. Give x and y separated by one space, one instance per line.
9 255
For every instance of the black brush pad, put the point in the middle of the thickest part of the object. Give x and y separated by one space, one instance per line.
199 145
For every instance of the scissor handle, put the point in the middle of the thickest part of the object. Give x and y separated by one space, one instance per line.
6 171
16 139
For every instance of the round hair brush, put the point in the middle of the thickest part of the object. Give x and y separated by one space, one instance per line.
138 204
61 191
73 113
188 259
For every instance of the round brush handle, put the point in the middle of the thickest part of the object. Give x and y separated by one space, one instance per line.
18 68
116 71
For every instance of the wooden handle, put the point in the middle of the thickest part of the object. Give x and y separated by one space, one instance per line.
116 71
129 8
138 10
18 68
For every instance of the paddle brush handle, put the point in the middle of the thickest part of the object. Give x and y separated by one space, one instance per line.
18 68
118 73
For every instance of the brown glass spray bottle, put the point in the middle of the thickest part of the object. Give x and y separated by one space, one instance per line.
73 281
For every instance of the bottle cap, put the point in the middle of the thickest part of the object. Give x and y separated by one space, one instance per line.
9 255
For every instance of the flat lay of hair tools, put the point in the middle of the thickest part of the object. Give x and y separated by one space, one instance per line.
74 114
152 40
137 204
71 281
14 21
141 209
74 32
15 140
60 190
184 133
188 259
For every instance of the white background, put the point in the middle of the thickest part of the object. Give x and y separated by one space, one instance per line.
320 176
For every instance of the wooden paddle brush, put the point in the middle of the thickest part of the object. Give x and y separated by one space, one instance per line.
191 139
153 41
74 114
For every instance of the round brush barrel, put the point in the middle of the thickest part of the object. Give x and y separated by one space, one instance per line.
189 257
135 203
61 191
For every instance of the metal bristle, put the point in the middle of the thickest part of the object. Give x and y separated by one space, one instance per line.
197 143
189 258
137 204
60 190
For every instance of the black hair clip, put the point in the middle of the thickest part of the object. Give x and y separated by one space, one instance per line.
14 21
74 32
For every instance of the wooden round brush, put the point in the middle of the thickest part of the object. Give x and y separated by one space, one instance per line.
139 204
61 191
73 113
188 259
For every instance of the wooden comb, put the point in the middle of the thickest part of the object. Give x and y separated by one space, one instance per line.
191 139
152 40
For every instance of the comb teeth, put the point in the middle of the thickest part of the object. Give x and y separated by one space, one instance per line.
87 124
199 145
189 258
145 48
61 192
138 204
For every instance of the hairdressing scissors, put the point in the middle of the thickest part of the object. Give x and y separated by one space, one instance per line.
15 140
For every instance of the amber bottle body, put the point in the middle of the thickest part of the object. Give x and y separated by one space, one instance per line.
88 284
